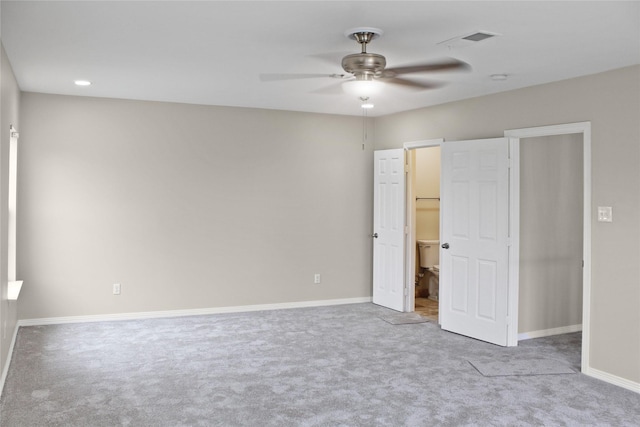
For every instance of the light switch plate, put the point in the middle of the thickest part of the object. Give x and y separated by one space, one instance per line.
605 214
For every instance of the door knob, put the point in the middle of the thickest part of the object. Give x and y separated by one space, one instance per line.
374 235
445 246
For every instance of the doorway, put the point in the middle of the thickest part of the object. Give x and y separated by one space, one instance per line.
581 132
550 235
424 174
514 137
417 288
474 188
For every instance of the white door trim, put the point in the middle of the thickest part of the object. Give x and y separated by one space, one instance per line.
515 135
410 240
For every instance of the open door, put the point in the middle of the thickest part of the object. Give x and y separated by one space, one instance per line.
474 268
388 228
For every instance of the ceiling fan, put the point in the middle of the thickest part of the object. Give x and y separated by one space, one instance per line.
364 70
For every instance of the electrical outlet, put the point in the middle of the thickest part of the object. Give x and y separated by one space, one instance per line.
316 278
116 288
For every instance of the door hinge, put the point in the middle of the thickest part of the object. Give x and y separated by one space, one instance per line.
406 292
406 230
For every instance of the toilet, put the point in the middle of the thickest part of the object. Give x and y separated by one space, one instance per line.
430 261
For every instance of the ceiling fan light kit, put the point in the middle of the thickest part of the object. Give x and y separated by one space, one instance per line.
366 103
362 88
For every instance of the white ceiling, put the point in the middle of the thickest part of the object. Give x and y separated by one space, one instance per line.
213 52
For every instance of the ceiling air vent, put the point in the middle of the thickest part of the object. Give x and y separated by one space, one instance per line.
469 39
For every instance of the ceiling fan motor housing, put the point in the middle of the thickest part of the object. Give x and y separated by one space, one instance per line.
364 65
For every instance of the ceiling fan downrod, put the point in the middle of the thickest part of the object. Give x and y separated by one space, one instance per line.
364 37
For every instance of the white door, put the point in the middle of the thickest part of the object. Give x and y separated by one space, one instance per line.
388 228
474 258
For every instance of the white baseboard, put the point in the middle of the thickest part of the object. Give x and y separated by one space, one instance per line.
549 332
191 312
595 373
612 379
5 370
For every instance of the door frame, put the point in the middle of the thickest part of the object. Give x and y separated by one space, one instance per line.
515 135
410 218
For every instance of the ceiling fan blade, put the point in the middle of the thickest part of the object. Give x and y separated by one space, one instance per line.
331 58
412 83
333 89
280 76
447 65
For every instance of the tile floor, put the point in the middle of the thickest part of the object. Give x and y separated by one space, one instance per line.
427 308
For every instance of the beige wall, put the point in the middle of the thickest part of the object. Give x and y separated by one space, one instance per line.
175 201
10 96
610 101
551 210
427 184
188 206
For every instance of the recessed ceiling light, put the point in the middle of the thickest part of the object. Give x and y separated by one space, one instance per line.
499 77
82 83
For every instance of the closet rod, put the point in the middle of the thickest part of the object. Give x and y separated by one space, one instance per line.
427 198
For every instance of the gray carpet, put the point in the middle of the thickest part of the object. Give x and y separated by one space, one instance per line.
325 366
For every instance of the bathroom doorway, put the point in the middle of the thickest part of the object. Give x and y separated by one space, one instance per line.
425 211
583 131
